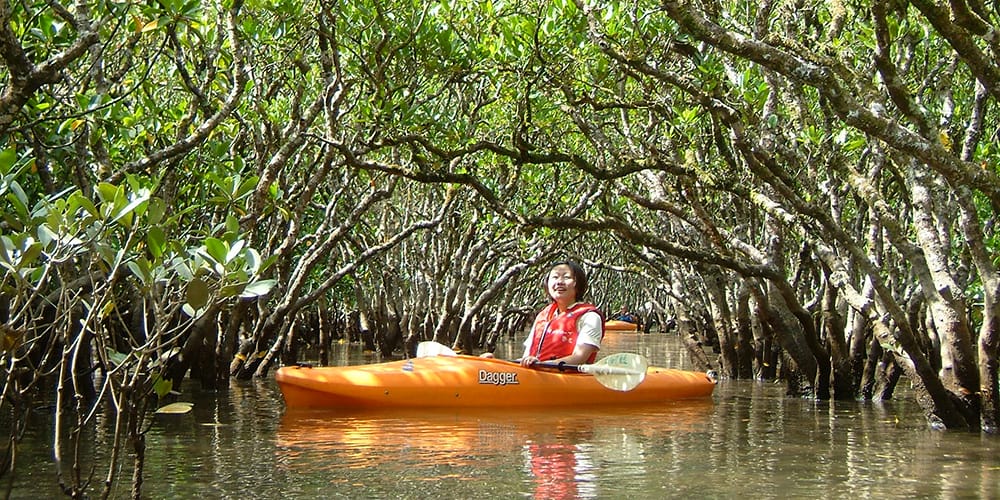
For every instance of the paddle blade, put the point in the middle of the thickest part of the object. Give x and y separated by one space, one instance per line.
622 371
429 348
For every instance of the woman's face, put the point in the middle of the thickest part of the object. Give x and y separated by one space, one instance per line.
562 284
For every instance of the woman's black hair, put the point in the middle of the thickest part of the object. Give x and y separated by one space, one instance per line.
579 275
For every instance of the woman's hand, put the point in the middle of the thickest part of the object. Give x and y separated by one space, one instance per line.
528 361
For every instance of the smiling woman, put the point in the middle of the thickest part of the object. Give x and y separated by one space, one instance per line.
567 330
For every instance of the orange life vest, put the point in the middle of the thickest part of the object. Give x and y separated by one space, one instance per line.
554 337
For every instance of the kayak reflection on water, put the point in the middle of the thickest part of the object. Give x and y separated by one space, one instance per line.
553 450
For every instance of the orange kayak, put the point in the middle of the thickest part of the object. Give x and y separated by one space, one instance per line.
471 381
614 325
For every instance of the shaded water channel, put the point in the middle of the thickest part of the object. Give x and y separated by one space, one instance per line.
748 439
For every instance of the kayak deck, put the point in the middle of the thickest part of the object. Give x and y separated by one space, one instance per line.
470 381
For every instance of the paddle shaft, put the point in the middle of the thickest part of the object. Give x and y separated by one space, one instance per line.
561 366
591 369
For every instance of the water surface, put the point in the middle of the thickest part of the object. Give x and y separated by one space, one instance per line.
748 439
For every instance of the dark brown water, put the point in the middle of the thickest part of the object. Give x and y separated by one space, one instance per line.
747 440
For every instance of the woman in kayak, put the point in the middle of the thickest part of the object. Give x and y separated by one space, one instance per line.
567 330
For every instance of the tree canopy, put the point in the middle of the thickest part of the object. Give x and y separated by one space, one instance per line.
808 190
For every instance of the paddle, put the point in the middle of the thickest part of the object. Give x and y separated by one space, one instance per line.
430 348
622 371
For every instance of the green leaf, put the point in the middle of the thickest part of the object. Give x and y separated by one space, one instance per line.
156 241
258 288
5 246
182 269
19 199
8 157
235 251
141 269
117 358
216 249
30 254
127 211
253 261
107 192
109 307
198 293
46 235
162 387
78 200
232 225
246 187
190 311
155 210
228 291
